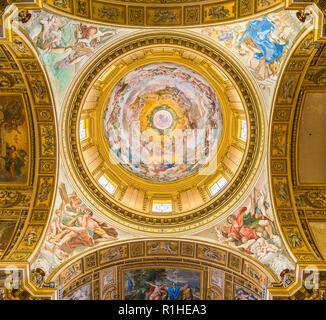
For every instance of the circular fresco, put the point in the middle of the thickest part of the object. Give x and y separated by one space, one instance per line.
163 122
162 119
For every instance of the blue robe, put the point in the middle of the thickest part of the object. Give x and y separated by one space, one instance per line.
130 285
266 204
174 293
259 31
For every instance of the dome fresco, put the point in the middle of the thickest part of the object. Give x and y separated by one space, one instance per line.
163 122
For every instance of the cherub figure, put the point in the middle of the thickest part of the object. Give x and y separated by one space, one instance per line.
263 248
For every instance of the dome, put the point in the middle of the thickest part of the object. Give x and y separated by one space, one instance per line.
158 137
163 122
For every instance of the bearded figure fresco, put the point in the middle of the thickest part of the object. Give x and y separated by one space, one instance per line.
74 225
252 230
72 229
261 44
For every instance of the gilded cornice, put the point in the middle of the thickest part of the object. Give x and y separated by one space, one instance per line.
162 13
306 275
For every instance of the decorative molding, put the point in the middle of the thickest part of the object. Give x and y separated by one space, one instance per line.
161 13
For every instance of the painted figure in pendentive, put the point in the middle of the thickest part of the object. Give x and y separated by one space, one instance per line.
240 225
84 231
258 40
64 44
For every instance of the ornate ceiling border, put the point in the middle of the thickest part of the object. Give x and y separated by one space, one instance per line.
289 197
284 106
282 156
310 284
200 217
35 199
140 252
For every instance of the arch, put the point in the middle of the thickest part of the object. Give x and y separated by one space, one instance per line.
121 258
28 139
298 205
